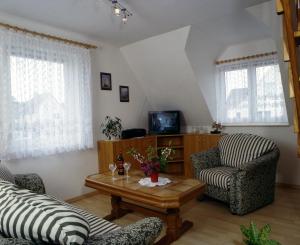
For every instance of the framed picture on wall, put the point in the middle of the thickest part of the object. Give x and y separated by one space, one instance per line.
105 80
124 94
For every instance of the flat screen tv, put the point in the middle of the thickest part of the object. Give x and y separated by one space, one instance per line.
164 122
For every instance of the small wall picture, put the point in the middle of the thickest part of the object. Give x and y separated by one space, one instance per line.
124 94
105 79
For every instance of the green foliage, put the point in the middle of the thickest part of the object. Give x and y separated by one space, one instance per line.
112 127
254 236
152 155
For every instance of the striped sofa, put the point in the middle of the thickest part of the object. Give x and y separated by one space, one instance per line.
240 171
101 231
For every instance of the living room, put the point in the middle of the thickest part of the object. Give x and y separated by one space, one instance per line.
167 56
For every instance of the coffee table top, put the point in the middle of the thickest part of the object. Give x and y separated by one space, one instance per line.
172 195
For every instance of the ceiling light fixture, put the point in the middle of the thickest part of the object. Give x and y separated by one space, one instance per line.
120 11
124 18
116 9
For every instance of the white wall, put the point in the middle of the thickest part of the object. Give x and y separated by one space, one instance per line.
202 48
64 174
133 114
245 49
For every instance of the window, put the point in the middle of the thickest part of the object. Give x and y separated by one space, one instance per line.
251 93
45 102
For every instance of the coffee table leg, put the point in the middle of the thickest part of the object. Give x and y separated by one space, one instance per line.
116 210
175 227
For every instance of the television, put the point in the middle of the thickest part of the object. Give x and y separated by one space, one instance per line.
164 122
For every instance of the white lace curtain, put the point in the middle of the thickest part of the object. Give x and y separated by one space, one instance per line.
250 92
45 100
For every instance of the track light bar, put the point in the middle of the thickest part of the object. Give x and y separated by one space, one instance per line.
120 10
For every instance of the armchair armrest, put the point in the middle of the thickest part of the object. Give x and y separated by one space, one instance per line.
253 185
206 159
31 182
143 232
264 161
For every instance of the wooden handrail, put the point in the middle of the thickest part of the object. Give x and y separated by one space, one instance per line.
289 24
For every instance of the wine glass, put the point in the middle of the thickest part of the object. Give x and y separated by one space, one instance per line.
127 166
112 168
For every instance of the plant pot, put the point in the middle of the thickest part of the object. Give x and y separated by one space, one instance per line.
154 177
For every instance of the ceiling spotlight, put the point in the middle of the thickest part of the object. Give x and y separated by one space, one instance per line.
116 9
120 10
124 18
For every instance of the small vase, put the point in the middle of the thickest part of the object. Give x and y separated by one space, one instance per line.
154 177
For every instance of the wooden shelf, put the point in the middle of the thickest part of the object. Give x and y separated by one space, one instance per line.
172 146
169 135
176 161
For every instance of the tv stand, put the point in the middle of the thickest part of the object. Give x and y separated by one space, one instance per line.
183 144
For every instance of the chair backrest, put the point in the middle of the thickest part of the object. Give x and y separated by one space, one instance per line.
5 174
236 149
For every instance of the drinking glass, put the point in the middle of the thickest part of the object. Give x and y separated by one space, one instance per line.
112 168
127 166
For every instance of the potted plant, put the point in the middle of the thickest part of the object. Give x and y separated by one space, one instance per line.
254 236
112 127
216 128
152 163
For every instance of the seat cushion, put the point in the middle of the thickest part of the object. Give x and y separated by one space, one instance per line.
5 174
219 176
237 149
39 218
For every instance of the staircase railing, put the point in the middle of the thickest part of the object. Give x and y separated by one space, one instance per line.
289 9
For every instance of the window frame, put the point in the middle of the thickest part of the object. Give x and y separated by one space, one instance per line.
251 67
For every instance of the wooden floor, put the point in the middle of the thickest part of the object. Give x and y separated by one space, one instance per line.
214 224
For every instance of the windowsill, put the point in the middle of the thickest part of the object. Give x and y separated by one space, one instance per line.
256 124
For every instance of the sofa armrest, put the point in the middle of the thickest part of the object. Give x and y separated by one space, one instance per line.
31 182
253 185
206 159
143 232
14 241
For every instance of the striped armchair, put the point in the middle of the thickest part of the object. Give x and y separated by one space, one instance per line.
241 171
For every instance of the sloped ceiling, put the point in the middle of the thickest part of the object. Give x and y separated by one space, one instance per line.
163 69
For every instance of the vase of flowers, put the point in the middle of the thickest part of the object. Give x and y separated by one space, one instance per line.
154 162
112 127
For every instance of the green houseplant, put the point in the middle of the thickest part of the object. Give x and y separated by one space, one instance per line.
112 127
255 236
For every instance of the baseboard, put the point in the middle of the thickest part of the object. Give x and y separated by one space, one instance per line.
78 198
283 185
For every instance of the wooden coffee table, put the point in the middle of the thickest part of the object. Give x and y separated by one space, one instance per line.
128 195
